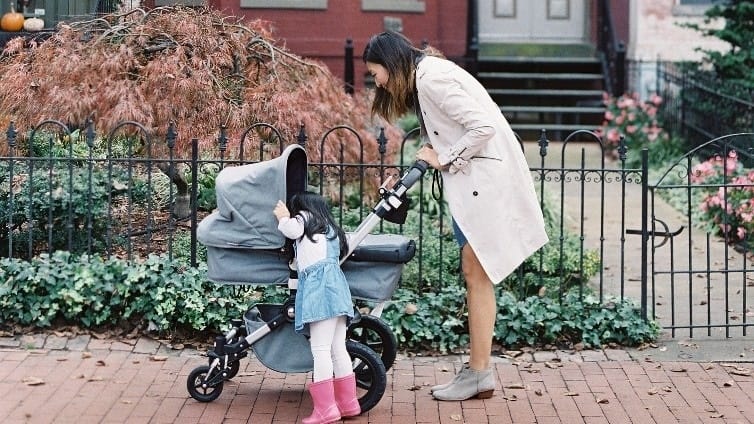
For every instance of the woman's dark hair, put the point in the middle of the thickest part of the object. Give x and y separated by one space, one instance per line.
396 53
319 218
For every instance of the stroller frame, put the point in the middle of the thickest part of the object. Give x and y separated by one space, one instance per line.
205 383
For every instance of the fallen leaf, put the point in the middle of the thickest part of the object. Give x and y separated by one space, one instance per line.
85 355
94 378
414 388
158 358
602 400
717 415
455 417
652 391
678 369
511 398
538 392
61 359
515 386
667 389
741 371
33 381
570 394
100 363
729 383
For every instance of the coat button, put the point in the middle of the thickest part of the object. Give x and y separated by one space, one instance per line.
475 193
436 133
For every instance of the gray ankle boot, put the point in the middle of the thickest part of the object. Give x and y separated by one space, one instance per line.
442 386
468 383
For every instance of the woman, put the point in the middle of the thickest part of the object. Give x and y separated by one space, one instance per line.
486 182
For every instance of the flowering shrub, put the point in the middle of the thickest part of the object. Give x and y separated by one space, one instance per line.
635 120
729 207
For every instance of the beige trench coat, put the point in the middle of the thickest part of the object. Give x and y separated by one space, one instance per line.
488 187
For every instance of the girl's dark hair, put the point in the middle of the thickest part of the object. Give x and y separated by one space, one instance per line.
396 53
319 219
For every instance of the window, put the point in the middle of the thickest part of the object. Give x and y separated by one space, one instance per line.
179 2
415 6
285 4
692 7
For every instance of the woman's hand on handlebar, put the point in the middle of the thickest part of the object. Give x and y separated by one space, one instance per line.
429 155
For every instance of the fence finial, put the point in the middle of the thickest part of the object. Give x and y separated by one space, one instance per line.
543 143
90 132
382 141
622 149
222 139
301 137
11 134
171 135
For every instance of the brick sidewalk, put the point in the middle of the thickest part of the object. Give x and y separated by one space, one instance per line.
52 379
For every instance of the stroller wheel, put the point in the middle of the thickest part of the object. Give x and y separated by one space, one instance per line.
199 388
233 370
375 333
370 373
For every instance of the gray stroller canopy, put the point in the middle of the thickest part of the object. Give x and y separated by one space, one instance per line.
246 196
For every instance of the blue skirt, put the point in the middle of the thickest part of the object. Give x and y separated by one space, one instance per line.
322 293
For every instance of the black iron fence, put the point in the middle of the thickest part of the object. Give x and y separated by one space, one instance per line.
698 107
129 194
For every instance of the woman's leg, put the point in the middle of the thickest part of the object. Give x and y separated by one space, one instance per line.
321 340
480 298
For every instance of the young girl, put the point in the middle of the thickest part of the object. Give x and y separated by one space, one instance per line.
323 303
485 179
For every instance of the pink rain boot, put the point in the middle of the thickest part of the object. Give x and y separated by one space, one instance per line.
345 395
323 398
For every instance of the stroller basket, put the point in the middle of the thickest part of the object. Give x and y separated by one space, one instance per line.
274 350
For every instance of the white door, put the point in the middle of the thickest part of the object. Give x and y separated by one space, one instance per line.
532 21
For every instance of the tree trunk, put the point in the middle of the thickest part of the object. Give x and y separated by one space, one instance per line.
182 205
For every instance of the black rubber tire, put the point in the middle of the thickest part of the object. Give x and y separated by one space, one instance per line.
376 334
371 378
195 382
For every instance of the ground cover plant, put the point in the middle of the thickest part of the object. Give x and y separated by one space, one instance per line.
167 298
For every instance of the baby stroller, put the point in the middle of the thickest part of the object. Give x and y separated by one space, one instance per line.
244 247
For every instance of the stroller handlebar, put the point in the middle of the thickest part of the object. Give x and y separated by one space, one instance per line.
413 174
391 200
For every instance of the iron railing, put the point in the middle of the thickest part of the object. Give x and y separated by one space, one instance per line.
85 193
697 107
125 200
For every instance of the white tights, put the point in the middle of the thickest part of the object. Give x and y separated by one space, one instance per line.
328 342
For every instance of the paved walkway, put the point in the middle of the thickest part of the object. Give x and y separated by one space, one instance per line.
57 379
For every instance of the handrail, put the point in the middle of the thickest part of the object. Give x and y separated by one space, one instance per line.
612 51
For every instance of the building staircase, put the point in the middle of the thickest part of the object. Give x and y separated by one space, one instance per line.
557 88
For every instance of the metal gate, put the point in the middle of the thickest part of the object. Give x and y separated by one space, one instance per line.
697 224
